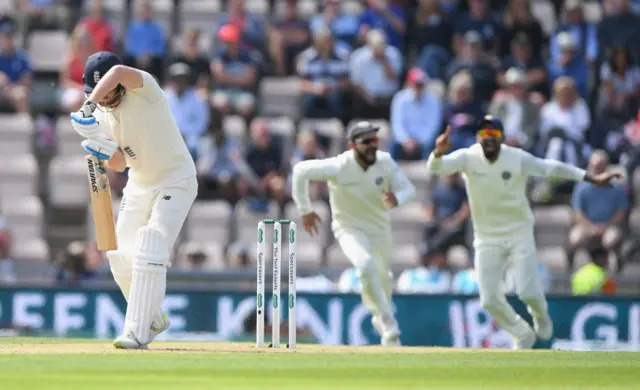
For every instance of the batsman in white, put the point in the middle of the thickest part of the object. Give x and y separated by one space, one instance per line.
364 184
496 177
126 121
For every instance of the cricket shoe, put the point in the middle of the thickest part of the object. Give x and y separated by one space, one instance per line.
525 341
159 325
543 327
389 338
128 341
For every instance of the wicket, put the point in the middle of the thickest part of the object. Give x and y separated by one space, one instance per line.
275 298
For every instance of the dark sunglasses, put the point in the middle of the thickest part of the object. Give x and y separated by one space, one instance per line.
367 141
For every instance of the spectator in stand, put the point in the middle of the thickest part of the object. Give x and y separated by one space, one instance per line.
621 27
535 71
599 212
238 255
145 43
235 73
195 257
288 38
463 112
265 159
99 28
15 72
564 123
519 20
308 149
7 272
620 88
72 91
221 165
42 15
480 20
570 63
471 58
447 215
431 38
413 136
431 277
191 55
250 27
384 15
78 262
324 74
521 117
190 110
585 35
375 71
593 278
343 26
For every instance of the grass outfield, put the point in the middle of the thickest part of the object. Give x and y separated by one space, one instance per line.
52 364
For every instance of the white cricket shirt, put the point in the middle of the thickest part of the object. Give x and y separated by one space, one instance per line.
354 193
497 191
144 128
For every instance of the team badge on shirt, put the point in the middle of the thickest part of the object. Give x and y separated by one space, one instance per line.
379 181
506 175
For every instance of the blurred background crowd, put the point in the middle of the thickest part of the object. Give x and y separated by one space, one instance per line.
257 85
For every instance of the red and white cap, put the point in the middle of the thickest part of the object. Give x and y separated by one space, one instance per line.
417 76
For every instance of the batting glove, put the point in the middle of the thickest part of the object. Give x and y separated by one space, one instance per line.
83 121
101 147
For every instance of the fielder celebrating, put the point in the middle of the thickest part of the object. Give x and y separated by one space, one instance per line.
496 176
126 121
364 183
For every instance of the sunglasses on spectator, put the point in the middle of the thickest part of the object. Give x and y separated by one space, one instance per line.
367 141
487 133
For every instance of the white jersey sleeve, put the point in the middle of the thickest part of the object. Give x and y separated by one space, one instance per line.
150 89
449 164
401 186
311 170
533 166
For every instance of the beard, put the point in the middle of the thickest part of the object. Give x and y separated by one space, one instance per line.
491 148
368 156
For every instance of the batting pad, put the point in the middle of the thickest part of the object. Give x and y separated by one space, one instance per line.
148 284
121 269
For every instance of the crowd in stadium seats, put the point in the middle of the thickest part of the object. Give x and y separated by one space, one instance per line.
256 86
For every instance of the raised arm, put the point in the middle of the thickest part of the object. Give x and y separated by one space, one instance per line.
311 170
446 165
538 167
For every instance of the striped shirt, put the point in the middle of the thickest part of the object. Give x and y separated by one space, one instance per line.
330 70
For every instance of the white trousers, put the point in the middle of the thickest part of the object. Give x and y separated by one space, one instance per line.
370 255
492 260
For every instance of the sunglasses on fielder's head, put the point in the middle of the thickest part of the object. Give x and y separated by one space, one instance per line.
367 140
486 133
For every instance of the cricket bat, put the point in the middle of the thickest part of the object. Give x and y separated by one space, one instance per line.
101 205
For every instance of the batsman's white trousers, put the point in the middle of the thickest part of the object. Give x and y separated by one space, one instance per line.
164 209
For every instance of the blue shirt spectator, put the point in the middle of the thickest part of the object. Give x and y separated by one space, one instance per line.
15 64
409 108
367 70
220 158
621 27
447 198
599 204
480 19
585 36
343 26
571 63
191 112
145 36
315 66
387 18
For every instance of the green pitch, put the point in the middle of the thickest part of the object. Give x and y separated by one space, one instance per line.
35 364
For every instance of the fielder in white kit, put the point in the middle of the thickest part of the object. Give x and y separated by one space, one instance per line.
496 177
126 121
364 184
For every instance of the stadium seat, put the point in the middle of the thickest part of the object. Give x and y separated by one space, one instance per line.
283 129
235 126
328 128
213 250
552 225
280 96
68 182
324 237
25 217
33 249
408 223
247 222
634 220
257 6
458 257
16 133
404 256
417 173
48 50
18 177
200 14
68 140
336 258
6 6
210 222
554 257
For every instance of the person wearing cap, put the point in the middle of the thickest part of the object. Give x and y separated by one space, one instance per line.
15 71
374 71
412 135
323 70
235 72
521 56
145 43
127 122
521 117
471 58
496 177
191 111
364 184
584 33
570 63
